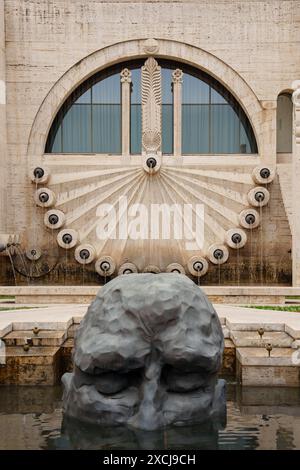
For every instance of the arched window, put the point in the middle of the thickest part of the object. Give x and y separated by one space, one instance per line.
90 119
211 120
284 123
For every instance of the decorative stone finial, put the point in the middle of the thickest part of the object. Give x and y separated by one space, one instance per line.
150 46
177 76
125 76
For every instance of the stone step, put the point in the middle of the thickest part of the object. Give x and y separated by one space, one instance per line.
37 366
278 339
43 338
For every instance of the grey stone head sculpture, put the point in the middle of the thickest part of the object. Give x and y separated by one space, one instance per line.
147 355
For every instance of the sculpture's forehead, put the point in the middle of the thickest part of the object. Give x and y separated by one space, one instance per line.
130 317
149 292
151 303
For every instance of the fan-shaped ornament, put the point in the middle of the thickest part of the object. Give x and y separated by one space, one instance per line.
197 266
67 238
218 254
127 268
105 266
85 254
236 238
175 268
263 174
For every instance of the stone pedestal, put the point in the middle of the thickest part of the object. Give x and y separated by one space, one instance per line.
244 339
51 338
38 366
67 363
229 362
255 368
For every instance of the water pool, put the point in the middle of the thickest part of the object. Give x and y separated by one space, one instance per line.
257 418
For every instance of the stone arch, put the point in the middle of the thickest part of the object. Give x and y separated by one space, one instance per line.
140 48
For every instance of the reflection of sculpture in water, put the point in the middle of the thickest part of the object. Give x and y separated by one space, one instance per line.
147 354
86 436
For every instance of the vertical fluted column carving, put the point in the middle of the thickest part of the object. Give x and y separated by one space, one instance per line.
126 89
177 100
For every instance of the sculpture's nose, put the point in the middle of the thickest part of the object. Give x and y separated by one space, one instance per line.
149 415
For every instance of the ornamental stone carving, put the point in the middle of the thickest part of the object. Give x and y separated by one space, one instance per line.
125 76
296 101
150 46
151 106
177 76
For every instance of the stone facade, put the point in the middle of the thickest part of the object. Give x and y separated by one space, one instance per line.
48 47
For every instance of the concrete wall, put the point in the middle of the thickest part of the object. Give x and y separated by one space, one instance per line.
258 39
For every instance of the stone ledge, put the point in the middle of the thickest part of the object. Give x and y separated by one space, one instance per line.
266 295
278 339
260 357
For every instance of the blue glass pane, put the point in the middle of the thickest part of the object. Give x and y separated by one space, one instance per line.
166 82
224 129
136 86
136 129
195 128
107 91
245 145
217 98
85 97
106 128
194 90
167 128
57 145
76 134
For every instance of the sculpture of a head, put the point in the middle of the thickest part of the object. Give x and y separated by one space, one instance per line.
147 354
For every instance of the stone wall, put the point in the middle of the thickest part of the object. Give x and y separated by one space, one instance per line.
3 150
257 39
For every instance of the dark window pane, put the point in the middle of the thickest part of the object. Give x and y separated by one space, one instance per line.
167 128
216 97
194 91
224 129
247 141
284 123
166 84
85 98
76 134
106 120
136 86
136 129
57 143
195 128
107 91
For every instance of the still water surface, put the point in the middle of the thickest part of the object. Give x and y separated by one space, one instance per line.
257 418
